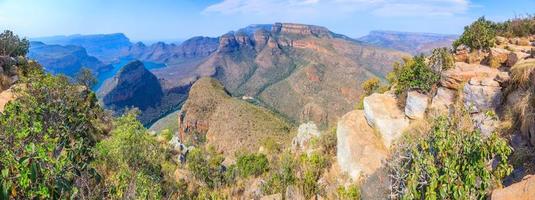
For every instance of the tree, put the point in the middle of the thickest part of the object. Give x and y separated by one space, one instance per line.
480 35
86 78
11 45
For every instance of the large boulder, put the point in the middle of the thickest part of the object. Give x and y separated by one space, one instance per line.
482 95
443 100
359 149
514 57
383 114
497 57
524 190
416 105
463 72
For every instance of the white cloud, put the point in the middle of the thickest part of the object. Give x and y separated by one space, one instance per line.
333 7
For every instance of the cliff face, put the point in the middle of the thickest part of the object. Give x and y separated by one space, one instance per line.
132 86
66 60
227 123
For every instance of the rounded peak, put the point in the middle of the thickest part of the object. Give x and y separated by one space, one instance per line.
131 66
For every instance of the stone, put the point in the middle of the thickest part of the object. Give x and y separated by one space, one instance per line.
524 190
497 57
416 105
5 97
359 151
305 133
514 57
383 114
463 72
482 95
501 40
443 99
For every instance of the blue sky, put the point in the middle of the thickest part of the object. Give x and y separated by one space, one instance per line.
181 19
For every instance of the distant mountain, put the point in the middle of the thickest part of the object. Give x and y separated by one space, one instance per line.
135 86
414 43
304 72
106 47
161 52
66 60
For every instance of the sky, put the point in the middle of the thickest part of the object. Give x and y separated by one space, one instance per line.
151 20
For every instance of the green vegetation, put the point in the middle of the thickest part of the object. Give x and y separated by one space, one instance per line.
47 137
207 167
351 192
11 45
517 27
413 74
86 78
369 87
130 161
310 169
252 164
281 177
480 35
449 162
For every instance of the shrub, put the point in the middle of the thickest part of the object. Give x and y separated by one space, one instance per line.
47 134
441 59
207 167
480 35
349 193
252 164
328 142
413 74
11 45
517 27
370 86
449 163
282 177
86 78
311 168
130 158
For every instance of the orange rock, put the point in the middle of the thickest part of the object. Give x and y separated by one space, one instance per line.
524 190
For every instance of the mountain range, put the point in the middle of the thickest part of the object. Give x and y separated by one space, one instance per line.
414 43
302 72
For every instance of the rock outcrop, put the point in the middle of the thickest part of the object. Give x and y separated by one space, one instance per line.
359 151
442 100
383 114
463 72
305 133
524 190
416 105
482 95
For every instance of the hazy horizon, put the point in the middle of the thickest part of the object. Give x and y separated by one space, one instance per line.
166 20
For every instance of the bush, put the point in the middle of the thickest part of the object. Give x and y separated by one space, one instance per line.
282 177
413 74
449 163
86 78
47 136
207 167
11 45
311 168
517 27
130 158
370 86
480 35
349 193
328 142
252 164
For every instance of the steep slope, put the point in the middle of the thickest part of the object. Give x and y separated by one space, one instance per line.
304 72
413 43
132 86
229 124
66 60
106 47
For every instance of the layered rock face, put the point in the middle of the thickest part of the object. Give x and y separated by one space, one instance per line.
132 86
229 124
66 60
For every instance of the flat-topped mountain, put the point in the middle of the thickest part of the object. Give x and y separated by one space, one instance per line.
66 60
413 43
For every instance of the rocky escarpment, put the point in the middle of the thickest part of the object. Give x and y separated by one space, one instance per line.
67 60
227 123
132 86
305 72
